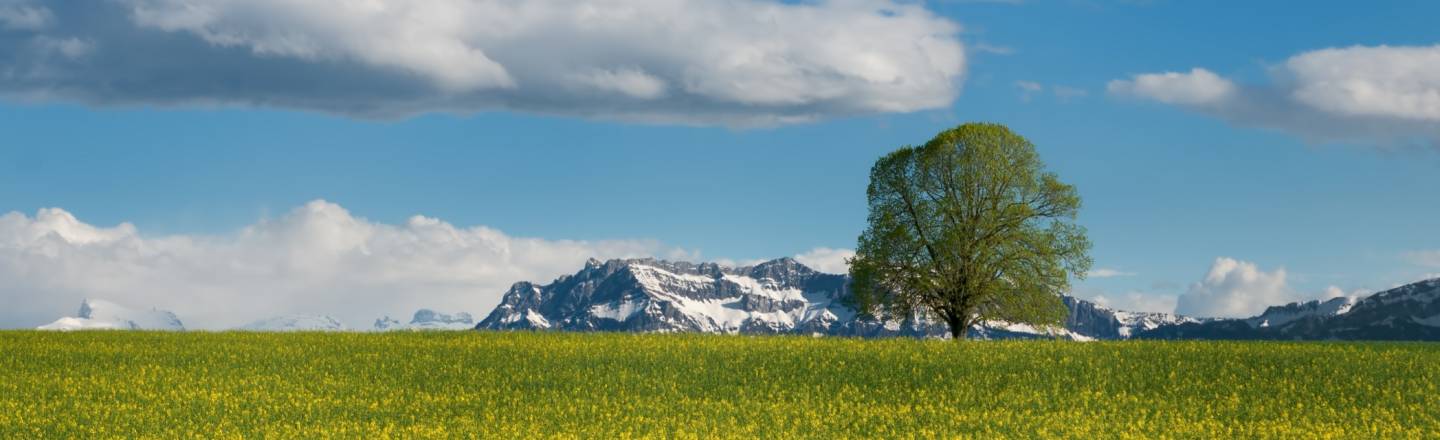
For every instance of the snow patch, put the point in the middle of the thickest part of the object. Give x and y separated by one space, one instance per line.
536 320
613 311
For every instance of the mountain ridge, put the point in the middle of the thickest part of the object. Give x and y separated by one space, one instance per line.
776 296
1408 312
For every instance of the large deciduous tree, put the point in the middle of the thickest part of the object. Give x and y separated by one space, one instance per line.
968 228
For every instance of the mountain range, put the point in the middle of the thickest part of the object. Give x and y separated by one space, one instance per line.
1409 312
777 296
783 296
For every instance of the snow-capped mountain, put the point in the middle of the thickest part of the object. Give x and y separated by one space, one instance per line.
778 296
1101 322
659 296
426 319
104 315
1279 316
296 322
1410 312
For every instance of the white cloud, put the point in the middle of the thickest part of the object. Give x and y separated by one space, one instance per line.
1066 93
1137 302
1383 95
317 258
1430 258
827 260
1337 292
1108 273
1028 89
1197 87
17 15
1235 289
739 62
1383 81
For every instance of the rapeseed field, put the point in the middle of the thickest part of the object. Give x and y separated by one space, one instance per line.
543 385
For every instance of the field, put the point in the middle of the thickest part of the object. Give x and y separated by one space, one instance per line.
506 385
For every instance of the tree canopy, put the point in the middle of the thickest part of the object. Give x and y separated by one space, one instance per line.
968 228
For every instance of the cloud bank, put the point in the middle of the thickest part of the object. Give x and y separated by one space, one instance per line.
318 258
731 62
1382 95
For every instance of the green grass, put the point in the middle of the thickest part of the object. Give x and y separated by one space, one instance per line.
502 385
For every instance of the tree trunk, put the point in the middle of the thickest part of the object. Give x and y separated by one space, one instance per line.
958 329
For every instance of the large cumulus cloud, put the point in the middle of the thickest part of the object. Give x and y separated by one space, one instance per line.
1235 289
722 62
1388 96
318 258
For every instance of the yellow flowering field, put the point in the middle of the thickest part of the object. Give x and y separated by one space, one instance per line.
518 385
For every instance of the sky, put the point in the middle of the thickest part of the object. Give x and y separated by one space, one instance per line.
233 160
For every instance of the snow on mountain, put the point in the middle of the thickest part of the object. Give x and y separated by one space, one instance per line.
426 319
296 322
104 315
1135 322
1281 315
778 296
650 295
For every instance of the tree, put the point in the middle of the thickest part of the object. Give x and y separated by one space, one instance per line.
968 228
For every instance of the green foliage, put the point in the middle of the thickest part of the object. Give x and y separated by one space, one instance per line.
528 385
966 228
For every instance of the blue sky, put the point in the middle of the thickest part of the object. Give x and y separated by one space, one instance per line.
1170 184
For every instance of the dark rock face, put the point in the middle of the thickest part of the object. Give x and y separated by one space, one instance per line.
1410 312
778 296
1089 319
